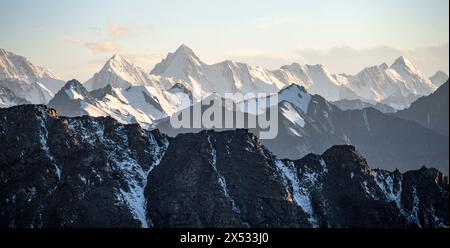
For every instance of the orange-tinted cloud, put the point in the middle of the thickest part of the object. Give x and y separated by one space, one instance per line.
101 46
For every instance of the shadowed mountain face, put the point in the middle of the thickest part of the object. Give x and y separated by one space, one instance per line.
96 172
430 111
309 123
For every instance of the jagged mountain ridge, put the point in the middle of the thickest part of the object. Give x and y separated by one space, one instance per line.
92 172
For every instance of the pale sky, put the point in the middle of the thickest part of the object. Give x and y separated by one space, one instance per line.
75 38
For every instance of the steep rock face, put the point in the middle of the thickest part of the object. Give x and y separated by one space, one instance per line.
94 172
78 172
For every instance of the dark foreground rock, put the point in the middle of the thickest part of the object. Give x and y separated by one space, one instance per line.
95 172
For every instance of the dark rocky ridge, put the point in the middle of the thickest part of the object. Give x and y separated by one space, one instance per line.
92 172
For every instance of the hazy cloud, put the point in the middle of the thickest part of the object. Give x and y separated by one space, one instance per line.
70 39
101 46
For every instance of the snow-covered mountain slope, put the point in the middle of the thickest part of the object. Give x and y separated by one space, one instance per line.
26 80
439 78
119 72
230 77
397 85
8 98
135 104
316 79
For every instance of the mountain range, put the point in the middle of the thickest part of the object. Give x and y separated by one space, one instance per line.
96 172
309 123
104 154
397 85
125 92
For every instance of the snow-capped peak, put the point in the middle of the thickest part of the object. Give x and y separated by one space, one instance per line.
403 62
120 73
416 81
184 50
179 64
75 90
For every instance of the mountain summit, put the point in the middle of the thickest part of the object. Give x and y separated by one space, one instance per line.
118 72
